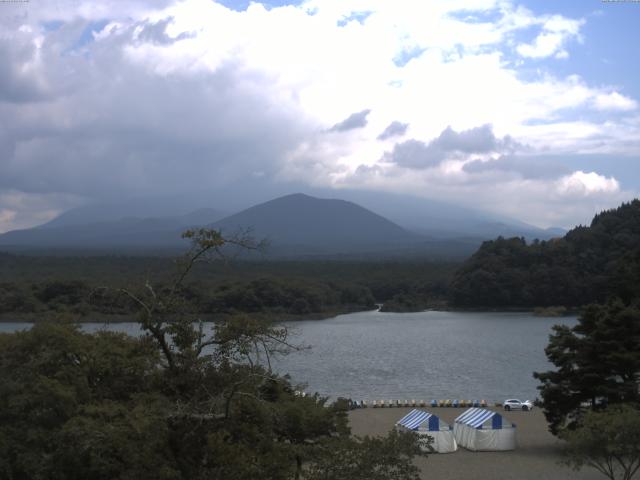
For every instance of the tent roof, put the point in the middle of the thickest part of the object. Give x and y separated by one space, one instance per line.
414 419
475 417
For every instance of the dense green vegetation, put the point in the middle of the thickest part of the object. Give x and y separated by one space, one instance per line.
589 264
592 397
176 403
608 440
597 364
34 287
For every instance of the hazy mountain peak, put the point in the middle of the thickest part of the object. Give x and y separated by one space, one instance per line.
324 224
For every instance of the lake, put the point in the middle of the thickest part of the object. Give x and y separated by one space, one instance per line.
426 355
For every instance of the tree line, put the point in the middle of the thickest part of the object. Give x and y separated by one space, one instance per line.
591 398
33 287
589 264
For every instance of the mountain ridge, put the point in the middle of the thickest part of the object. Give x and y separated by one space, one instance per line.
297 224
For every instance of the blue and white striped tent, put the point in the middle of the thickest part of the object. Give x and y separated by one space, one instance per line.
476 418
428 424
482 429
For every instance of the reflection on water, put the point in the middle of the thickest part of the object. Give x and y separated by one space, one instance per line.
426 355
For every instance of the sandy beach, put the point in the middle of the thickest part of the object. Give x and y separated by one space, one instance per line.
536 457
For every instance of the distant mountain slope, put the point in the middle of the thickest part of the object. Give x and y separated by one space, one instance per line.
436 219
588 264
297 225
442 220
125 232
325 225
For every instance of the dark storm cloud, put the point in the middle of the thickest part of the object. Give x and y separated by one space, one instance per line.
414 154
417 154
394 129
355 120
18 84
476 140
115 126
534 167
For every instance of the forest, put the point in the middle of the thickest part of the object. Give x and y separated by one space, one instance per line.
37 287
589 264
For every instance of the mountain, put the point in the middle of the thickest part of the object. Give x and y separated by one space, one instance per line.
170 207
432 218
294 225
127 232
302 223
297 225
441 220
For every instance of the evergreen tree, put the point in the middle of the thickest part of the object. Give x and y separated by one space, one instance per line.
597 364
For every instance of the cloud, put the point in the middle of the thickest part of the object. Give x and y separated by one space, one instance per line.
20 79
394 129
580 183
103 100
156 33
529 167
415 154
614 101
353 121
449 144
556 32
23 210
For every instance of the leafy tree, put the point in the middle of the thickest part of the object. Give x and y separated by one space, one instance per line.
608 441
177 403
56 381
597 364
369 459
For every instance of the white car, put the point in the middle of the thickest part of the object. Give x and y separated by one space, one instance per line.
515 404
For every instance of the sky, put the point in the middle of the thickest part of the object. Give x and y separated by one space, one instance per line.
528 109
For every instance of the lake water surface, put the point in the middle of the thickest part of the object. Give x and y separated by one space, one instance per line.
426 355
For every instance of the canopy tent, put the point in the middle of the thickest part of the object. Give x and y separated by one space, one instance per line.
427 424
479 429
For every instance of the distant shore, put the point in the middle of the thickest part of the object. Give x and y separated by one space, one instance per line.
536 457
280 317
129 318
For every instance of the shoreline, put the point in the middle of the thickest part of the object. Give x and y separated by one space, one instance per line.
281 317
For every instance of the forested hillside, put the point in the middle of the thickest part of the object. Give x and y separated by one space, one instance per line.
589 264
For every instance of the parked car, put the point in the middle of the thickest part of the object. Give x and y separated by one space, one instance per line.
515 404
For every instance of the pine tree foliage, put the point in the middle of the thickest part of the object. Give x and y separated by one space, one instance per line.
589 264
597 364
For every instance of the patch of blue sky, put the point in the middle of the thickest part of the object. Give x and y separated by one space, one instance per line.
608 53
242 5
52 25
609 57
86 37
359 17
406 55
582 113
